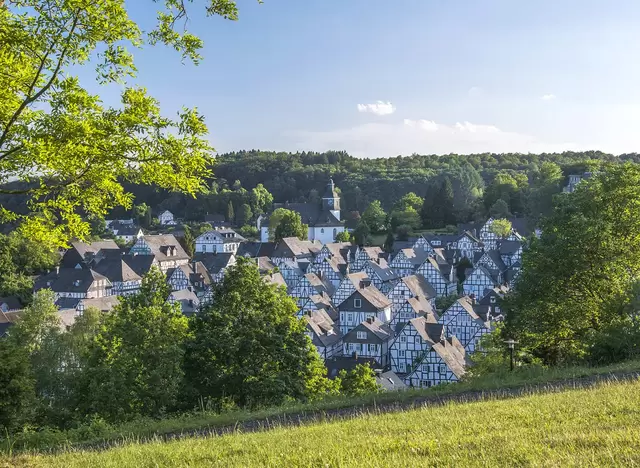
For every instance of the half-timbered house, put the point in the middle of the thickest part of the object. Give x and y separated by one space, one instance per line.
414 307
439 276
362 304
349 284
382 276
407 261
414 338
443 363
463 321
365 255
324 333
369 339
165 248
411 286
478 280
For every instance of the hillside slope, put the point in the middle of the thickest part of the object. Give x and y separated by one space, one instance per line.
597 426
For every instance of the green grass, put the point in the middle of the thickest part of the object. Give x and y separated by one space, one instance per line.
591 427
99 433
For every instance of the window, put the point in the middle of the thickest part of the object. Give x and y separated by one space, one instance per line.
357 303
350 346
425 367
443 370
401 353
361 335
322 231
373 348
349 317
335 232
417 340
403 339
492 299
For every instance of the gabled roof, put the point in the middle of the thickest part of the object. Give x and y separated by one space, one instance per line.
390 382
382 270
421 306
339 251
419 286
165 247
265 264
373 295
451 356
312 214
415 258
319 285
116 269
325 331
103 304
428 329
214 262
91 248
348 363
294 247
256 249
509 247
140 264
379 331
69 280
276 279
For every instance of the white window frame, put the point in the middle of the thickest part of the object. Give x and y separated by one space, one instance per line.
361 335
357 303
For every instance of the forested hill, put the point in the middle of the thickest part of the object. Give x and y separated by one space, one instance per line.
303 177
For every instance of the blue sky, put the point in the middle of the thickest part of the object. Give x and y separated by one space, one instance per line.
431 76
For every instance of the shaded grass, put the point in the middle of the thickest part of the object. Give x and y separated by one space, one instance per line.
100 433
593 427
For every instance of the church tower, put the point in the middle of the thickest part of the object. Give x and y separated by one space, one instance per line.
331 200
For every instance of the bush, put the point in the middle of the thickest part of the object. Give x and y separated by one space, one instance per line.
618 341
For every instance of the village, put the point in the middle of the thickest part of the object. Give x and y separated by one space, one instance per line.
414 314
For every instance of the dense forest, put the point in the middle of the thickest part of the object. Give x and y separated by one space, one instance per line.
477 181
467 187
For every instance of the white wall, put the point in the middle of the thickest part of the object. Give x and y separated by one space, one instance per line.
324 235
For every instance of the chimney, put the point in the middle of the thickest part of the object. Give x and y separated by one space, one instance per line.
473 298
190 302
370 320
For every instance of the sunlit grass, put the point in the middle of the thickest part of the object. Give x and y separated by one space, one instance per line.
588 427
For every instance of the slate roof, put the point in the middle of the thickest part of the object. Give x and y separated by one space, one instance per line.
91 248
390 382
320 285
451 356
292 246
422 306
103 304
429 330
140 264
383 271
419 286
265 264
214 262
339 251
325 331
256 249
373 296
374 252
380 331
508 247
163 245
348 363
276 279
116 270
188 300
12 302
69 280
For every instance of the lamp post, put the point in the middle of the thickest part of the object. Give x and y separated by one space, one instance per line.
512 344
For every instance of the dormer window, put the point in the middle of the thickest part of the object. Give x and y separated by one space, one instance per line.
492 299
357 303
76 283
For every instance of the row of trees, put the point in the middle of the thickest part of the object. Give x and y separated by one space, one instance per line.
145 358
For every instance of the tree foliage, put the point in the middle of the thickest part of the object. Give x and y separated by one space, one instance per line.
249 346
374 216
501 227
344 236
577 277
290 225
360 381
59 144
137 355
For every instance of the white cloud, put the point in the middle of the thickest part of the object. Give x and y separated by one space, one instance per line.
475 91
378 108
548 97
423 137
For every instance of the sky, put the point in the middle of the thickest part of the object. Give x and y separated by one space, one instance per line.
381 78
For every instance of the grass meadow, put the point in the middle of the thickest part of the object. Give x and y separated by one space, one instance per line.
599 426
